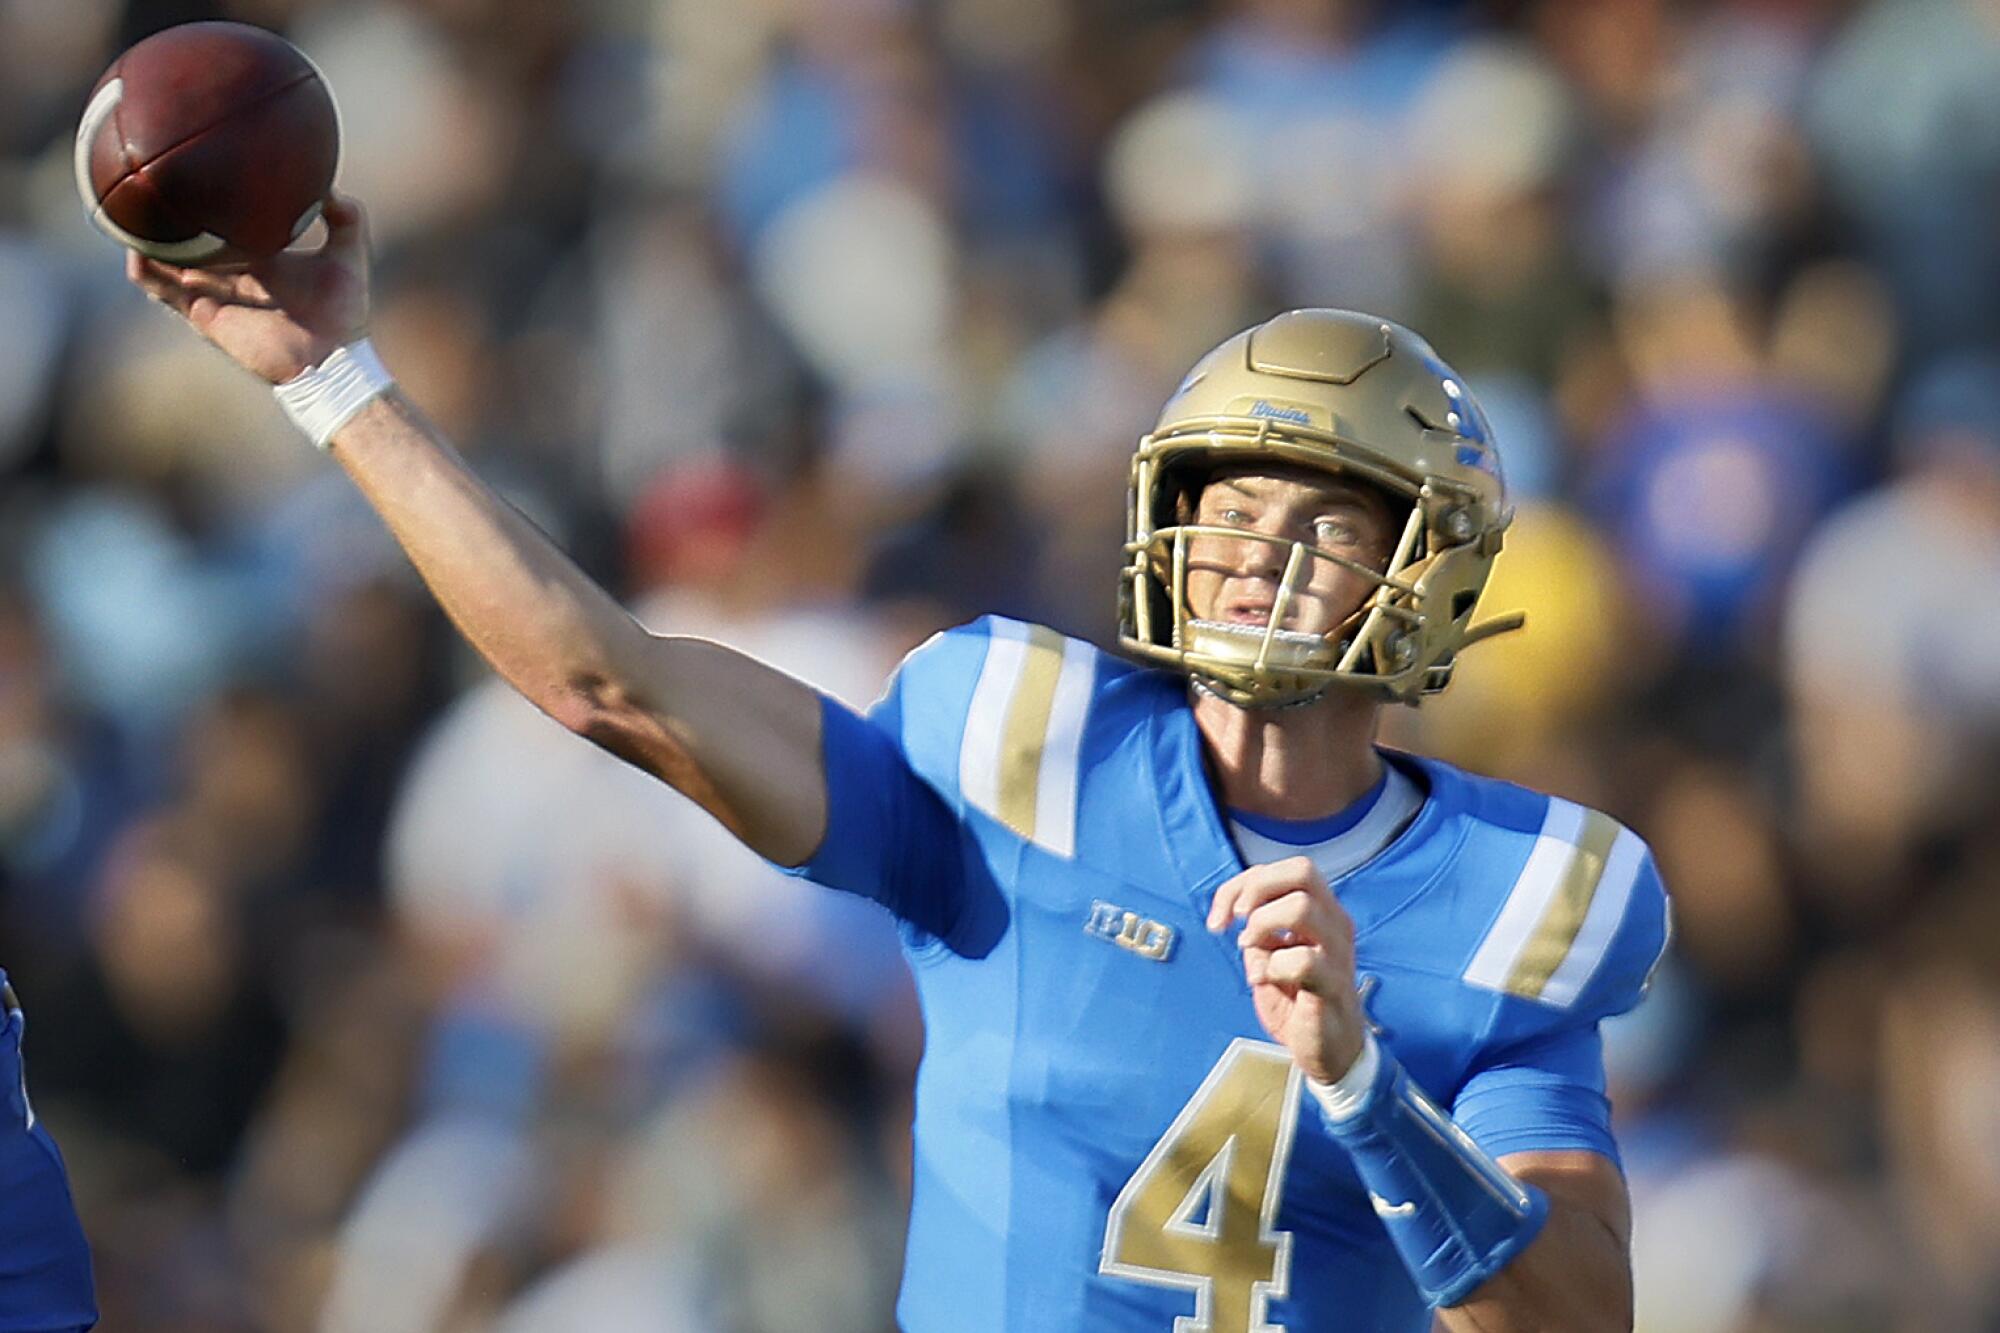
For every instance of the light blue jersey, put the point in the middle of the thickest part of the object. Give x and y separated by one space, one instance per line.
1105 1138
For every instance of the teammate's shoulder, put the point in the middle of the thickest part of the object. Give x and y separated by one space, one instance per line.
1572 911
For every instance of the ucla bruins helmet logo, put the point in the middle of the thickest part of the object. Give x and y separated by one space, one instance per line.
1351 395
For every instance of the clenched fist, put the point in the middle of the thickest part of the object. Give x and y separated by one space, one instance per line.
1298 955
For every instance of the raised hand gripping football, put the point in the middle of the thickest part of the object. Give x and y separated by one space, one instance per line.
277 316
1298 955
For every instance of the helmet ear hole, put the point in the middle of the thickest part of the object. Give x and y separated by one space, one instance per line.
1180 494
1462 603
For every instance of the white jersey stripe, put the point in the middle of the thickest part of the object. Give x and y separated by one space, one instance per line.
986 719
1607 909
1019 758
1548 864
1062 751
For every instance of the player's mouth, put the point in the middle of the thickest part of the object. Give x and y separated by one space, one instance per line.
1255 611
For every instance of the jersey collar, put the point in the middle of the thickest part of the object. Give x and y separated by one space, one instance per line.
1312 832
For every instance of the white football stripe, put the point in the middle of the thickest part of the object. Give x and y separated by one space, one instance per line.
100 109
986 719
1548 863
1600 923
193 250
1062 750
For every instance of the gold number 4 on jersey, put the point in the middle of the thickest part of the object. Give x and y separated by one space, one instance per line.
1200 1213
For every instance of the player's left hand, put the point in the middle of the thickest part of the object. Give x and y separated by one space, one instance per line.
1298 955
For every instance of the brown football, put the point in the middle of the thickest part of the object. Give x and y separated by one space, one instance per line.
207 143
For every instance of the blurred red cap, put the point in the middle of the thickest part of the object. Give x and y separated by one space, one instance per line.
692 522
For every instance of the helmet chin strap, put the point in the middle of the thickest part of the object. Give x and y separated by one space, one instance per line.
1201 685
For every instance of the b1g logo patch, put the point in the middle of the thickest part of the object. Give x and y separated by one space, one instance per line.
1129 930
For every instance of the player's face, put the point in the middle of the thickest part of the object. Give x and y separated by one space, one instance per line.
1237 580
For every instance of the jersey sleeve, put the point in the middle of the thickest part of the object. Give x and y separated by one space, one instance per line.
1538 1083
891 835
1545 1093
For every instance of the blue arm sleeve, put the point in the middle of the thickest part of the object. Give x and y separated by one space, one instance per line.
1454 1215
1543 1094
889 836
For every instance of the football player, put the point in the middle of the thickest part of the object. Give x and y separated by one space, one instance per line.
45 1281
1235 1020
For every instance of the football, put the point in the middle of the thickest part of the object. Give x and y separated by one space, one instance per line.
206 144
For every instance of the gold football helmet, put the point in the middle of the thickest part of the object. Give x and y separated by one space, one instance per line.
1343 393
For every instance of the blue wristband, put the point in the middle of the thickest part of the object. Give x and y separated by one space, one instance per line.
1454 1215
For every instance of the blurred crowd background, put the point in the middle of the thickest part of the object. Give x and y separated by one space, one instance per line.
365 1000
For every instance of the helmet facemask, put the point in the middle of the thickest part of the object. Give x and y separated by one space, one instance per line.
1387 647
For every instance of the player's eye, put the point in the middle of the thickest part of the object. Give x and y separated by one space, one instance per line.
1331 531
1234 517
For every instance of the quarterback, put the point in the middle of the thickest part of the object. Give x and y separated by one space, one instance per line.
1236 1021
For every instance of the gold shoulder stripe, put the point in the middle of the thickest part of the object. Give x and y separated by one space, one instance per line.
1577 885
1020 755
1026 730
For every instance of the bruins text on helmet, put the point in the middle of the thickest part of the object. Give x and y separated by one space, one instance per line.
1343 393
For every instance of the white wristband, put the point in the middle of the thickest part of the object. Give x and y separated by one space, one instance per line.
1348 1094
322 399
